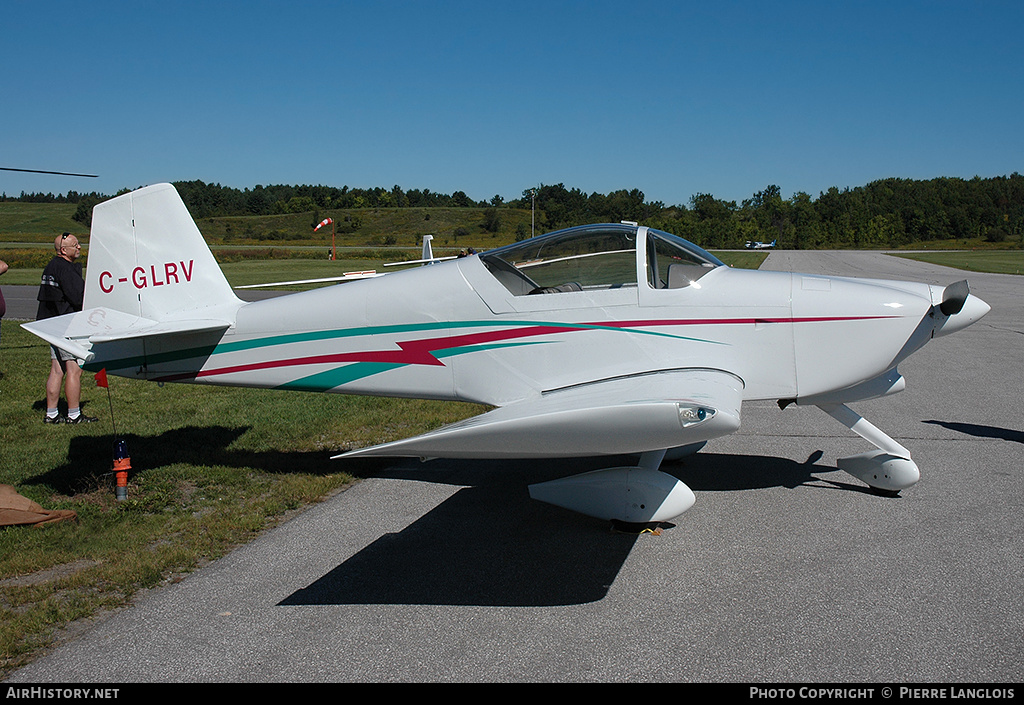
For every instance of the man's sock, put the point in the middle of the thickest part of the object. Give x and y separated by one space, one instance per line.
73 413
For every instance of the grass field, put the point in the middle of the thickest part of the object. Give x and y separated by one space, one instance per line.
995 261
37 222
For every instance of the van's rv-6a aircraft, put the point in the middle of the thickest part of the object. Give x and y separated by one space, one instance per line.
603 340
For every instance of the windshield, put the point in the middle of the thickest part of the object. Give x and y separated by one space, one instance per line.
673 263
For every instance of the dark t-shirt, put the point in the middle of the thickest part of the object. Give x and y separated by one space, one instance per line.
61 290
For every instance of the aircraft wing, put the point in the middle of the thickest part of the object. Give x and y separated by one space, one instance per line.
428 260
346 277
631 414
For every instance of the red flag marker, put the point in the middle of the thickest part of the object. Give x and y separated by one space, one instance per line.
101 378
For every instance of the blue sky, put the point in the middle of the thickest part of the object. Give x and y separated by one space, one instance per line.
672 98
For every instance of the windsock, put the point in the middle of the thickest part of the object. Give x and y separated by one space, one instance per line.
325 221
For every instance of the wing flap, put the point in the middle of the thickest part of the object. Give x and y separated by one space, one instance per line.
632 414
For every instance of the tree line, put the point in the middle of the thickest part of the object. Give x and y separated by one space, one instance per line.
884 213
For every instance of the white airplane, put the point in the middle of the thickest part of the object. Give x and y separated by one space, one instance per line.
752 245
603 340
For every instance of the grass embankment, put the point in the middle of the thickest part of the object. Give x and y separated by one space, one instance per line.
451 228
37 222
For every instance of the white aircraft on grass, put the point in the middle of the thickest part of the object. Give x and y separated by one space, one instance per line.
603 340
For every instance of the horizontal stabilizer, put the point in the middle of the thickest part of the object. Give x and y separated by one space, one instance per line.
153 328
77 332
633 414
53 331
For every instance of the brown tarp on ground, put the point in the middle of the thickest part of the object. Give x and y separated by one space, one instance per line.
16 510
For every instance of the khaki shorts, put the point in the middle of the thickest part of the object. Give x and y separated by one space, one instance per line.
63 356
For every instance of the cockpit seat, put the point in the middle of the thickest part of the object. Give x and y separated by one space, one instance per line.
681 275
561 288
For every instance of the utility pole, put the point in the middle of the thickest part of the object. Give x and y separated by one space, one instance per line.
533 212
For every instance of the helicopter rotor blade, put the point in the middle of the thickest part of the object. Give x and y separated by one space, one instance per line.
39 171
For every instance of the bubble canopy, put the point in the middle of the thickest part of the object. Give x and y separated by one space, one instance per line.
603 256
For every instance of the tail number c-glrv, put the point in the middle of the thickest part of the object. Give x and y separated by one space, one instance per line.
173 273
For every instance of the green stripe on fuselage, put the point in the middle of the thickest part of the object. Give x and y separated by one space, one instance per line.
331 379
324 381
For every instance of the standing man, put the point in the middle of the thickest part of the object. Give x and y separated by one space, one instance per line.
62 291
3 304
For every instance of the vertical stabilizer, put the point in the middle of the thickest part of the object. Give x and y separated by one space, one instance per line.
147 258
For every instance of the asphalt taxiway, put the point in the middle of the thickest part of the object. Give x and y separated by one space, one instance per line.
785 570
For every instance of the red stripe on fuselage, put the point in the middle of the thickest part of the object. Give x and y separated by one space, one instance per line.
419 352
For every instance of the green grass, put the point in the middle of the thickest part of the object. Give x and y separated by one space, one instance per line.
251 272
368 227
37 222
742 260
212 467
996 261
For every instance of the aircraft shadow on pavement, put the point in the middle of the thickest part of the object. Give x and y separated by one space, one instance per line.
981 431
489 544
